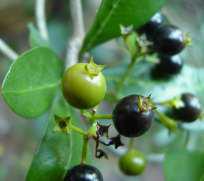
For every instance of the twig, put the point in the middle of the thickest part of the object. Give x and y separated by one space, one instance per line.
152 157
78 33
156 158
77 18
7 51
191 141
41 18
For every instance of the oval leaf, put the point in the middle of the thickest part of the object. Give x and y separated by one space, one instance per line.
113 13
54 154
31 83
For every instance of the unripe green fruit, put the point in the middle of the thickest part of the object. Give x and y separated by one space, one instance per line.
132 163
84 86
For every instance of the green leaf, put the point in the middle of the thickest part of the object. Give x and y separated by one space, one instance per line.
31 83
202 178
57 151
54 155
35 38
190 165
113 13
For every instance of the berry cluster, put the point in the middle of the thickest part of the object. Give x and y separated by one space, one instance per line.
84 87
168 41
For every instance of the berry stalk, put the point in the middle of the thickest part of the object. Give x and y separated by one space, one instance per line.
125 75
166 121
84 149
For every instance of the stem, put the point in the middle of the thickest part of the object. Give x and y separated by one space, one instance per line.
78 33
77 18
166 121
191 141
41 18
7 50
101 116
170 102
130 143
156 158
78 130
152 157
125 75
84 149
187 137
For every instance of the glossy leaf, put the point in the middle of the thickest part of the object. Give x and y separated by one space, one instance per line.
202 178
113 13
57 151
189 165
31 83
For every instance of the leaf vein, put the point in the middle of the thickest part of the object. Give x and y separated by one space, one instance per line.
103 24
48 86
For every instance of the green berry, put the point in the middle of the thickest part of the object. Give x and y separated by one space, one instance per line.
132 163
84 85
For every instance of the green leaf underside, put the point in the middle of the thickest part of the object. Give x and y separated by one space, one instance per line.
184 165
113 13
57 151
31 83
140 82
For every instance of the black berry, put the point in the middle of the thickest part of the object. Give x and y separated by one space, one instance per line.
169 40
83 173
167 66
189 110
152 25
133 115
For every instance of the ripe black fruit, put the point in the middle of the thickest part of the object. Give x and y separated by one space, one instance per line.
152 25
133 115
83 173
190 110
169 40
167 66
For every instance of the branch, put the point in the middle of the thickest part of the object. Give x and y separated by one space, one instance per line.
41 18
78 33
77 18
152 157
7 51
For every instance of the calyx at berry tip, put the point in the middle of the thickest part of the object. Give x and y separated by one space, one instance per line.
62 124
93 69
187 39
145 104
126 30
